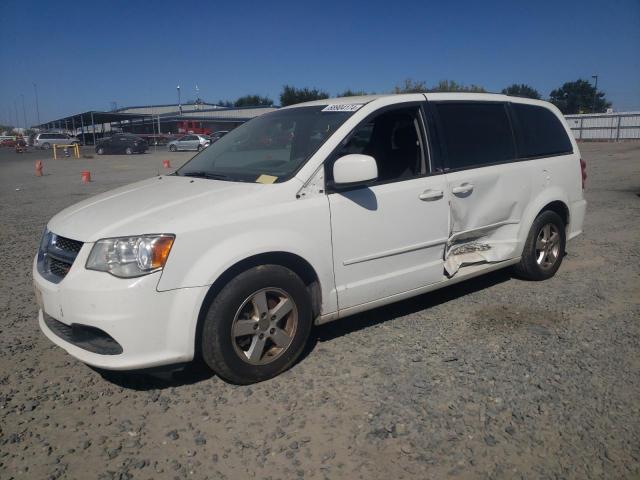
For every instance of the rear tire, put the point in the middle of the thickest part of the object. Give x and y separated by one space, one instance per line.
100 151
544 248
128 151
257 326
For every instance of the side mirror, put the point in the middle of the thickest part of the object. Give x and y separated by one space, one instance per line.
354 169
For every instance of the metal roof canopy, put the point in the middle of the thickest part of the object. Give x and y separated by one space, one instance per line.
92 117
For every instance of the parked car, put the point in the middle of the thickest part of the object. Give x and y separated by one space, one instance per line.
8 142
234 256
215 136
121 143
46 140
190 142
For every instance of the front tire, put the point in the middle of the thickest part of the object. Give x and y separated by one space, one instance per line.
46 146
128 150
172 148
544 248
100 150
257 326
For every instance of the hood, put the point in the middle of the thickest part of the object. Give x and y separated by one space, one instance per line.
157 205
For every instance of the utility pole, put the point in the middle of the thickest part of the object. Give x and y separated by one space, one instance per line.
35 89
15 109
24 111
595 94
179 104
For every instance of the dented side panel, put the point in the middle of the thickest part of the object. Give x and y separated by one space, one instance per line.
486 206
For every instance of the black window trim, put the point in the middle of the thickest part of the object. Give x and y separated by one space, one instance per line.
518 128
425 147
443 147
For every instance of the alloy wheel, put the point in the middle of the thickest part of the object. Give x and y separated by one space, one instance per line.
548 246
264 326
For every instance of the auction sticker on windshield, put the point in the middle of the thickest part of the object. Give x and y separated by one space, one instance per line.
266 179
342 107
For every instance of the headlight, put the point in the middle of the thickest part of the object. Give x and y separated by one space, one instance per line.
130 256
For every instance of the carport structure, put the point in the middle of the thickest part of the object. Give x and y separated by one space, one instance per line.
89 120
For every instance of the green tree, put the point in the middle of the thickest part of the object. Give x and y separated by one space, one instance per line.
411 86
291 95
521 90
453 86
253 101
579 97
225 103
352 93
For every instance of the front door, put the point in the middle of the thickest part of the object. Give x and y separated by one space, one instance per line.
389 237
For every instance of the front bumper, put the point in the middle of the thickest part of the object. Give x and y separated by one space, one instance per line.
152 328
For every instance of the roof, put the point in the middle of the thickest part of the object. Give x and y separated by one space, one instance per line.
434 96
169 108
239 114
98 117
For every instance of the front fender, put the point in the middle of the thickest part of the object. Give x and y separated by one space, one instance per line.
200 257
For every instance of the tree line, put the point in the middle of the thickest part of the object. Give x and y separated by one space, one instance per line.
578 96
574 97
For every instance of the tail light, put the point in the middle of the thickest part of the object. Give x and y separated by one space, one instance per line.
583 170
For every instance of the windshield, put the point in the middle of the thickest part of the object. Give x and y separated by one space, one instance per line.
269 148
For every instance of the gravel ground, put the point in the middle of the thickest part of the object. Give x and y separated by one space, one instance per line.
492 378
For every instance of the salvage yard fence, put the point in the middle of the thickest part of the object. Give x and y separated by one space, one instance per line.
611 127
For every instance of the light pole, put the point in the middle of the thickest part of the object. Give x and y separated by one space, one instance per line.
179 104
595 94
24 111
15 109
35 89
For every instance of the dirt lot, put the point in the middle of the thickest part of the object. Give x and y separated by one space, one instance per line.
493 378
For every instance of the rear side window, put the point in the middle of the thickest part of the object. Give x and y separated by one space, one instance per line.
540 132
475 134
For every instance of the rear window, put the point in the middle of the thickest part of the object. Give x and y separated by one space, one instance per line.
541 133
475 134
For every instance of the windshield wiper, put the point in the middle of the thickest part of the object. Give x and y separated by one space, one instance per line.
203 174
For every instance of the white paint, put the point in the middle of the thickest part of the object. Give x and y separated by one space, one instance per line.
369 246
354 168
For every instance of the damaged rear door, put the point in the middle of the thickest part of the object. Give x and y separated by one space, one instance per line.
488 189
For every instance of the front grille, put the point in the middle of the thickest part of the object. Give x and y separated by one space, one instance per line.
88 338
67 244
56 267
56 256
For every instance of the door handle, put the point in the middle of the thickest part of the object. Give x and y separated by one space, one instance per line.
463 188
430 195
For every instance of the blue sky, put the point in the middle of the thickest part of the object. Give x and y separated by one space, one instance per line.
85 55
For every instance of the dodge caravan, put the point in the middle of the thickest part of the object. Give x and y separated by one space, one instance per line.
307 215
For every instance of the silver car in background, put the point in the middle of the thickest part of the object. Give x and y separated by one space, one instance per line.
190 142
46 140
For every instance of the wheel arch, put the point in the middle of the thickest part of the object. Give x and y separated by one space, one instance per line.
292 261
559 207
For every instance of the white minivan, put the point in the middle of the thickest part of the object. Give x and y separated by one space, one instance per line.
306 215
